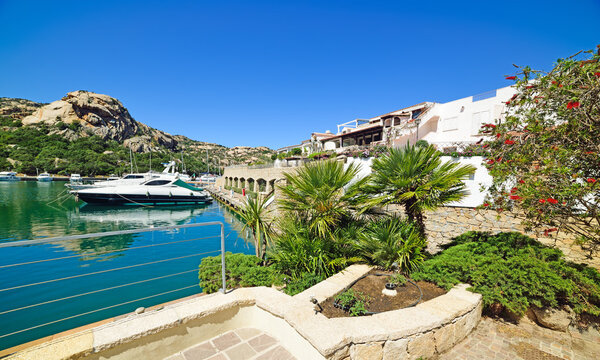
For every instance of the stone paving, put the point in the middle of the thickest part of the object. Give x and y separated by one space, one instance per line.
494 339
240 344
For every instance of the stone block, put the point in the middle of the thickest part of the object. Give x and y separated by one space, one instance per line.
395 350
370 351
422 345
341 354
444 337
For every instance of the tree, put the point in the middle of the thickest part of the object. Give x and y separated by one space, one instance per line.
322 194
415 177
256 217
545 156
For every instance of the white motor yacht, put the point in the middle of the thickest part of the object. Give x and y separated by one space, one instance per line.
130 179
44 177
160 190
8 176
75 178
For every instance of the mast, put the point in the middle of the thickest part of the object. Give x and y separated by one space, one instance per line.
207 163
150 159
131 160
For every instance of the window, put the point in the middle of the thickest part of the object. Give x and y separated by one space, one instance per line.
450 123
157 182
134 177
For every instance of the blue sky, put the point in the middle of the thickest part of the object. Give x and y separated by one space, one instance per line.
271 72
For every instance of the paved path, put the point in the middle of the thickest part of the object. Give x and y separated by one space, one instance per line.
493 339
240 344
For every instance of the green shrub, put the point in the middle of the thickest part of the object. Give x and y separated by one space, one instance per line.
515 271
301 283
297 251
296 151
422 143
240 270
389 241
398 279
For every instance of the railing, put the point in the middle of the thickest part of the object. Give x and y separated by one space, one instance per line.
25 278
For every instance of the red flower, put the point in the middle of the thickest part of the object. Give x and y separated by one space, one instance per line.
589 152
542 201
597 74
513 190
591 180
529 87
573 104
508 102
484 146
552 200
508 142
554 82
515 197
498 135
490 162
548 231
489 125
511 78
486 205
521 181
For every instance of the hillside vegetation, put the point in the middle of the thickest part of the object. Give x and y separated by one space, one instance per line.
93 134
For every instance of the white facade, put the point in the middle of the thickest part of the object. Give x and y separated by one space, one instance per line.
460 121
481 177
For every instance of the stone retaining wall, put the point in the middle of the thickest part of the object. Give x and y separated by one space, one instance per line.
447 222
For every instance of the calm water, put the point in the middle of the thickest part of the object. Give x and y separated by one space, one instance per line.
31 210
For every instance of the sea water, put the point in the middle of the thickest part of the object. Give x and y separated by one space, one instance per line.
33 210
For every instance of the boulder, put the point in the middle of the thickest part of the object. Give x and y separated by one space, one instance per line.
554 319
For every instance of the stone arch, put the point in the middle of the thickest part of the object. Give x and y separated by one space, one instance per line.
251 184
271 185
242 183
262 185
235 182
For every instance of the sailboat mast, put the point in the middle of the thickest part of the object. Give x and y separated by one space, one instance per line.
131 160
207 163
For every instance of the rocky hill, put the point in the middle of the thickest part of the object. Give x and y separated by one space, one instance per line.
82 114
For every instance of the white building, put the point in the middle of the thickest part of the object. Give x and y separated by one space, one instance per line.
448 126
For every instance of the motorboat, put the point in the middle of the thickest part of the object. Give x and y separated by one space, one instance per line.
185 177
129 179
9 176
208 179
44 177
161 190
75 178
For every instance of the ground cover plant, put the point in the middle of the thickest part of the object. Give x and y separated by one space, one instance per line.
514 272
241 270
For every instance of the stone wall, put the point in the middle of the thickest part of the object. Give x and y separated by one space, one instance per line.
447 222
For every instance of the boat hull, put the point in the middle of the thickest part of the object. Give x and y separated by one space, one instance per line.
117 199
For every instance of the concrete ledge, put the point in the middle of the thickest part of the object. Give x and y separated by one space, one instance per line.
424 330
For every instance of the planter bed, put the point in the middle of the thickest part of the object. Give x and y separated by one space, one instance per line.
372 286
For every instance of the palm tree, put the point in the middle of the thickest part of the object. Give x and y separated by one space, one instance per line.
416 178
391 240
256 217
322 195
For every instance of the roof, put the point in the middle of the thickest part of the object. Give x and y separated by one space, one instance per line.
403 110
357 130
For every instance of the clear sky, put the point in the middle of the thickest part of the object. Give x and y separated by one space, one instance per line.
271 72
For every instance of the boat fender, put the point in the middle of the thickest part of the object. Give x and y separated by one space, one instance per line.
147 193
170 195
191 193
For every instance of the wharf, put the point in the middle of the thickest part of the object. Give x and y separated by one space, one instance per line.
235 202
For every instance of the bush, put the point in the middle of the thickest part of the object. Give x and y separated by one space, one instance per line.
515 271
303 282
421 143
296 151
240 270
389 241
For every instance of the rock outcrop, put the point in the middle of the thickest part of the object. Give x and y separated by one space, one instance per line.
17 108
100 115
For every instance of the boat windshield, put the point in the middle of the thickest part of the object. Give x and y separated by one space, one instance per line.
157 182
